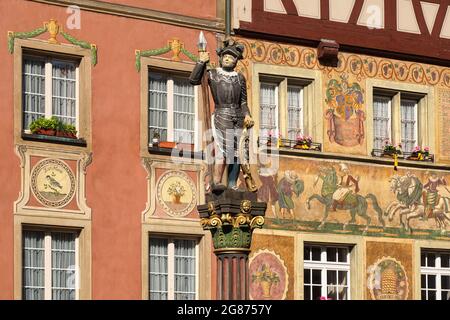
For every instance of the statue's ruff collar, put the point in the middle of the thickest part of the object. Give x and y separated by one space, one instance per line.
227 73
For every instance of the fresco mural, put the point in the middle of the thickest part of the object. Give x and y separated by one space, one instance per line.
344 96
345 115
349 198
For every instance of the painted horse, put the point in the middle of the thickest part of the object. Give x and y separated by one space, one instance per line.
355 203
409 190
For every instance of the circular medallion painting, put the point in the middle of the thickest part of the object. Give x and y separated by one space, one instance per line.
388 280
52 183
176 193
268 276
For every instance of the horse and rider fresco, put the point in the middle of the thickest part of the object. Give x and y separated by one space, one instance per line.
343 197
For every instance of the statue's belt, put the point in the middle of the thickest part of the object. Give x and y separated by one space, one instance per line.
228 106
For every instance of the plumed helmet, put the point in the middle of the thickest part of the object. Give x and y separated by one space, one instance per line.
231 47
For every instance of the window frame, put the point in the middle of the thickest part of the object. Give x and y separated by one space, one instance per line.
165 65
324 265
311 80
397 91
187 228
36 47
282 85
438 271
171 75
48 59
171 262
48 286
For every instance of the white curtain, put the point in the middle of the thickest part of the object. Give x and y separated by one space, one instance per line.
64 91
269 110
157 99
33 265
185 269
158 269
381 121
63 266
295 112
184 111
33 78
409 124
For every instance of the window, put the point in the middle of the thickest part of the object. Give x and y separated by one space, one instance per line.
326 272
409 124
381 121
49 264
171 108
282 109
50 87
269 109
295 111
435 275
396 119
173 269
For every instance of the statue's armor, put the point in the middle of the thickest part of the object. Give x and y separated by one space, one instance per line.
229 92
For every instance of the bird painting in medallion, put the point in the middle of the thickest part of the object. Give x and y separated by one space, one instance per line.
53 184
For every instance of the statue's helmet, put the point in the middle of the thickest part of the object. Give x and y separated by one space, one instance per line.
231 47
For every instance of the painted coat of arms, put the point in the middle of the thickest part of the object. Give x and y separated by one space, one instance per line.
345 115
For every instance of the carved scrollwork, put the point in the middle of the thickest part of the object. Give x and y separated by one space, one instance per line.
21 150
257 222
241 220
215 222
86 161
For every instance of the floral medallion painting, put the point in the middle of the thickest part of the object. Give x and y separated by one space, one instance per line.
176 193
268 276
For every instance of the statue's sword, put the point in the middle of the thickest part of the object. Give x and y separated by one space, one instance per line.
201 45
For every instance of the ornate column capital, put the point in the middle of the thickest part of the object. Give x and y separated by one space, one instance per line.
231 217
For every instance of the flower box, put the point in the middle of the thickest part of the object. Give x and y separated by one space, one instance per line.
53 127
46 132
167 144
419 154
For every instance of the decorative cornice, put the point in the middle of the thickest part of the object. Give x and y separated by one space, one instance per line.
141 13
54 29
361 66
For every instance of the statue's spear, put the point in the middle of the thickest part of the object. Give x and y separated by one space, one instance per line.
201 45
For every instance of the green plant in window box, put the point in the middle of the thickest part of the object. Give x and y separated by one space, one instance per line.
66 130
391 150
44 126
53 126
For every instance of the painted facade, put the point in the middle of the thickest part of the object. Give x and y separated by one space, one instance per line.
116 192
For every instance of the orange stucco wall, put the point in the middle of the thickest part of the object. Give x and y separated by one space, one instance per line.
194 8
116 180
